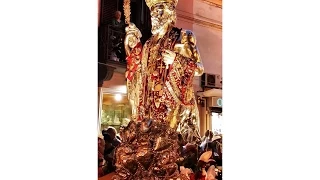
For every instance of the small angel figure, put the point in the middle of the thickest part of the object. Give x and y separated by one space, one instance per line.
133 49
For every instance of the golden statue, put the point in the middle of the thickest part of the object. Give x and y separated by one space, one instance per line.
160 89
168 62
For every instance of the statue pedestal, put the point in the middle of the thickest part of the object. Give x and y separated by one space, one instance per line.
149 150
107 177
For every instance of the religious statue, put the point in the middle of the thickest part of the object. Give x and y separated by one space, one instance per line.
163 69
160 89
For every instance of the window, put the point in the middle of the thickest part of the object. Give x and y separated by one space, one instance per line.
116 111
216 122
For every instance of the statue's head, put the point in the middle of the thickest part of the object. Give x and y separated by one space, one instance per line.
163 14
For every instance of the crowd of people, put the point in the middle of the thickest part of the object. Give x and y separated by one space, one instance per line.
190 152
214 143
107 143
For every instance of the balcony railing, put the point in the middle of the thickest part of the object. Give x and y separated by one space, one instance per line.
111 47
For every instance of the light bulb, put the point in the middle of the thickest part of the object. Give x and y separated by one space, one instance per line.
118 97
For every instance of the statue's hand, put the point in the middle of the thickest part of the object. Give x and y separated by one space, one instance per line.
168 57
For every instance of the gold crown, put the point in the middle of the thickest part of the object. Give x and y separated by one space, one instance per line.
151 3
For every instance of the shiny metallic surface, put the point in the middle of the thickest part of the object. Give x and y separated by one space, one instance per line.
149 154
160 89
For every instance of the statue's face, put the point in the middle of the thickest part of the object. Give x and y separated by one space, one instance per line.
161 18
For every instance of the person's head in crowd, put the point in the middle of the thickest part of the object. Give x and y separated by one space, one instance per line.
210 135
206 134
191 148
112 132
117 15
104 131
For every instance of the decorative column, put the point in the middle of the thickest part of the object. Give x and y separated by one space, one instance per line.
203 116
